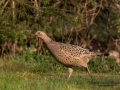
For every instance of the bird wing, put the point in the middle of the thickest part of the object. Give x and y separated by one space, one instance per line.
74 50
78 55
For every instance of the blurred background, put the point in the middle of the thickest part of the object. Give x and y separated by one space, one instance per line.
91 24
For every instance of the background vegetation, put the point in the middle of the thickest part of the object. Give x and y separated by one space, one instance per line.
92 24
88 23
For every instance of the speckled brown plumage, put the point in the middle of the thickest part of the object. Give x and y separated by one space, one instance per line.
67 54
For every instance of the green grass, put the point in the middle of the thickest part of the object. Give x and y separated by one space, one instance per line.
15 75
55 81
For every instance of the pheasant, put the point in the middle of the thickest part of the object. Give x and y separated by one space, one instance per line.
67 54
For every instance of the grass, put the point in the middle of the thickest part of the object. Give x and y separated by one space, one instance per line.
15 75
54 81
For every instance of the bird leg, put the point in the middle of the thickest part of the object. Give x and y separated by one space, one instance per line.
70 70
89 72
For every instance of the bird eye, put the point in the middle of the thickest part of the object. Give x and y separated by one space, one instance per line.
39 33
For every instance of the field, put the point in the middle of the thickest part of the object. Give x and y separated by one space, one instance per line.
15 75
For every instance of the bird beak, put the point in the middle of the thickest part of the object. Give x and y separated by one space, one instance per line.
35 34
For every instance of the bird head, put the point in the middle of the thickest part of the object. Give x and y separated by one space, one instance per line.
40 34
43 36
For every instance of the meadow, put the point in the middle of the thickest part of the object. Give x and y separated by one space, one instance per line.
40 73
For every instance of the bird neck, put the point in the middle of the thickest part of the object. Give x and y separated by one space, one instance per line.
47 39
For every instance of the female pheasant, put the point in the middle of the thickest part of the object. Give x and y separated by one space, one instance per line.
67 54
